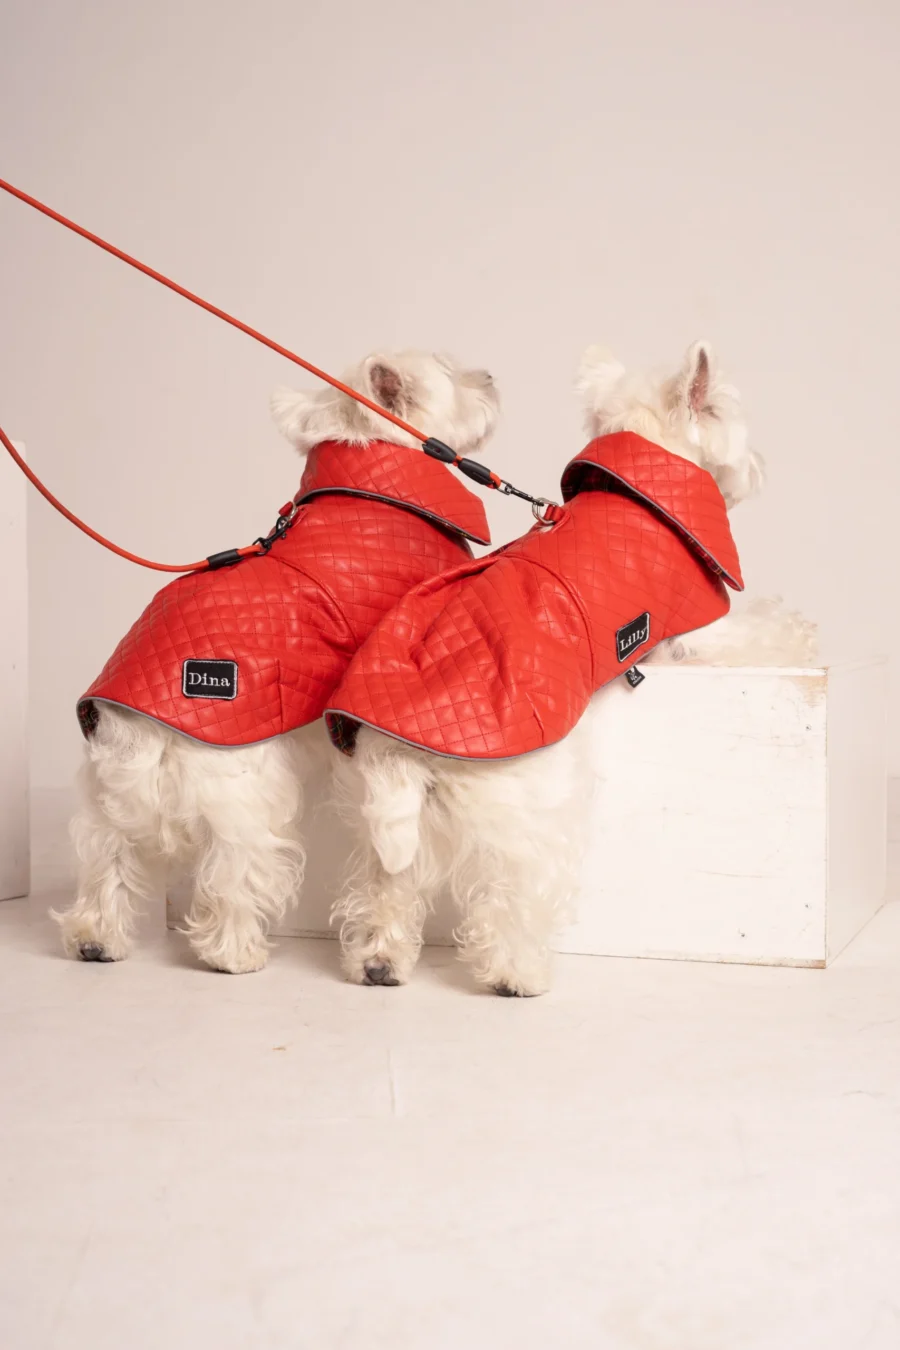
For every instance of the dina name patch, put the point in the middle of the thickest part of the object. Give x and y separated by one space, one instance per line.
632 636
209 679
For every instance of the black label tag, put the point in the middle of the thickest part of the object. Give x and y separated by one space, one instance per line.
632 636
209 679
635 676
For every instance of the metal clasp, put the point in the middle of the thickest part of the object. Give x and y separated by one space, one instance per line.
538 504
280 528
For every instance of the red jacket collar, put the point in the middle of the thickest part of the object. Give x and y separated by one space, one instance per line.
684 495
395 473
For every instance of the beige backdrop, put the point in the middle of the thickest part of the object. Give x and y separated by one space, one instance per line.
505 180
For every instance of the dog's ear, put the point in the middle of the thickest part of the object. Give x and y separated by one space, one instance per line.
479 407
696 381
598 374
717 425
481 384
387 385
482 381
290 410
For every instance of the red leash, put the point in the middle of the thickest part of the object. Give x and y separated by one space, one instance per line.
86 529
435 448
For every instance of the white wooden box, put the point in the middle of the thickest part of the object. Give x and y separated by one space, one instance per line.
740 816
14 842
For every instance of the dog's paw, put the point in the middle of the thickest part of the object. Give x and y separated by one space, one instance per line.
379 972
94 951
87 939
669 652
526 979
374 958
241 963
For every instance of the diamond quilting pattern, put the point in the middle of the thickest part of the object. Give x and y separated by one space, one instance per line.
420 483
373 523
501 657
687 497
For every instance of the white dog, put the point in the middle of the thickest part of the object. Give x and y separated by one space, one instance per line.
506 837
233 815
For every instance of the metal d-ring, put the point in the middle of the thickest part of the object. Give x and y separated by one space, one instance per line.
537 506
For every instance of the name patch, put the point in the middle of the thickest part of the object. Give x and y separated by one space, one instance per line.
209 679
632 636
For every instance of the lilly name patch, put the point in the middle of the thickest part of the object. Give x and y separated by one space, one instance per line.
632 636
209 679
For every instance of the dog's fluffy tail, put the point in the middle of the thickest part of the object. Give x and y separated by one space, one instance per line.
397 783
776 635
757 633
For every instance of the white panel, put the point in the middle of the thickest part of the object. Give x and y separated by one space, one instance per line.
14 844
857 798
709 825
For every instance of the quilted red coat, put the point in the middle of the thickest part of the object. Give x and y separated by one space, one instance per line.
248 652
501 655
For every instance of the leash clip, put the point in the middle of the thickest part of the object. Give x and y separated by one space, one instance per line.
286 517
541 507
260 547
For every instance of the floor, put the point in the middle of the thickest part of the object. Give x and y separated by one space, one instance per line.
656 1156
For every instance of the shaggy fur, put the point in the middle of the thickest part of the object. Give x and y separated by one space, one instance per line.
507 837
233 816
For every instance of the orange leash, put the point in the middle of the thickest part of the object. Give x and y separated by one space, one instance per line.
433 447
86 529
210 309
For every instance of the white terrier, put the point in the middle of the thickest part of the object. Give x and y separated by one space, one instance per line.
506 837
155 789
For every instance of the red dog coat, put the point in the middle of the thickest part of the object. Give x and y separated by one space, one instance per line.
248 652
501 655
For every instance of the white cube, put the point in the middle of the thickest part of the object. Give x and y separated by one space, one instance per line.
740 815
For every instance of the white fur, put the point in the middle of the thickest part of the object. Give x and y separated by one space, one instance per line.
758 632
432 393
506 838
502 838
233 816
150 796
